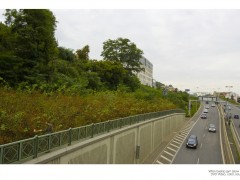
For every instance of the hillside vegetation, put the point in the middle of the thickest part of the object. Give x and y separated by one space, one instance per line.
22 112
41 81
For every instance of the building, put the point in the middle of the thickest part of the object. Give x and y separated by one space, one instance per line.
146 76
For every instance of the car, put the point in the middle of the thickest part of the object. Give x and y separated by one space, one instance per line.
212 128
213 105
203 116
192 141
205 111
236 116
207 107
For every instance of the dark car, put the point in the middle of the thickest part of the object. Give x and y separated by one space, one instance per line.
192 141
203 116
236 116
212 128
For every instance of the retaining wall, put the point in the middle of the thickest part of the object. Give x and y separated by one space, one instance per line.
129 145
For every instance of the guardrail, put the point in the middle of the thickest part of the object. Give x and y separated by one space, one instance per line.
227 152
20 151
235 137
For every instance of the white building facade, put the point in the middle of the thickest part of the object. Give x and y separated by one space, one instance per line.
146 76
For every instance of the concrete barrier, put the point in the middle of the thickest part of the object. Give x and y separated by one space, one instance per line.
129 145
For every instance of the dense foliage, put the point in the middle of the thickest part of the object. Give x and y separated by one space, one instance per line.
124 51
22 112
41 81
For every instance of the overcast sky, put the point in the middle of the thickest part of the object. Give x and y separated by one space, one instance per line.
190 49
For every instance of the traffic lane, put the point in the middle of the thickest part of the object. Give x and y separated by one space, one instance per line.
187 155
194 156
210 148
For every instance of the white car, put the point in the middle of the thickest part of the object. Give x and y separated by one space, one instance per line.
213 105
212 128
205 111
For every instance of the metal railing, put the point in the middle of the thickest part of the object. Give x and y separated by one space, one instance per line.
23 150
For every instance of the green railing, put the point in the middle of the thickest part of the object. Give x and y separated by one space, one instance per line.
20 151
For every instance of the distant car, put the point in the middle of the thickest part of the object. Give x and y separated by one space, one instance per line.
212 128
236 116
213 105
207 107
192 141
203 116
205 111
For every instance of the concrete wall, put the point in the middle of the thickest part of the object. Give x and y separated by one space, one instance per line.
119 146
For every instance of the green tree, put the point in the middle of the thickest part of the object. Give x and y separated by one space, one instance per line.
124 51
11 66
66 54
112 75
83 54
6 39
35 42
159 85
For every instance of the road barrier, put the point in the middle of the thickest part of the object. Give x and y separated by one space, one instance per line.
227 152
21 151
235 137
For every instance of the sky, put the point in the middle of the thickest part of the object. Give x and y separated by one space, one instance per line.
189 49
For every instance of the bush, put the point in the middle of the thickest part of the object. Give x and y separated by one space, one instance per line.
21 112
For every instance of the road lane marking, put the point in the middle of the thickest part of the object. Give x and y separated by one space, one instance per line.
177 140
198 161
203 135
183 133
158 162
172 149
181 136
186 129
201 145
165 158
174 145
169 153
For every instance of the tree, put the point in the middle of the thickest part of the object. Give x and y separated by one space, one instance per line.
10 65
6 39
35 43
83 54
124 51
66 54
159 85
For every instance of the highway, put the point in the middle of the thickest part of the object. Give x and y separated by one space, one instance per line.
209 149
